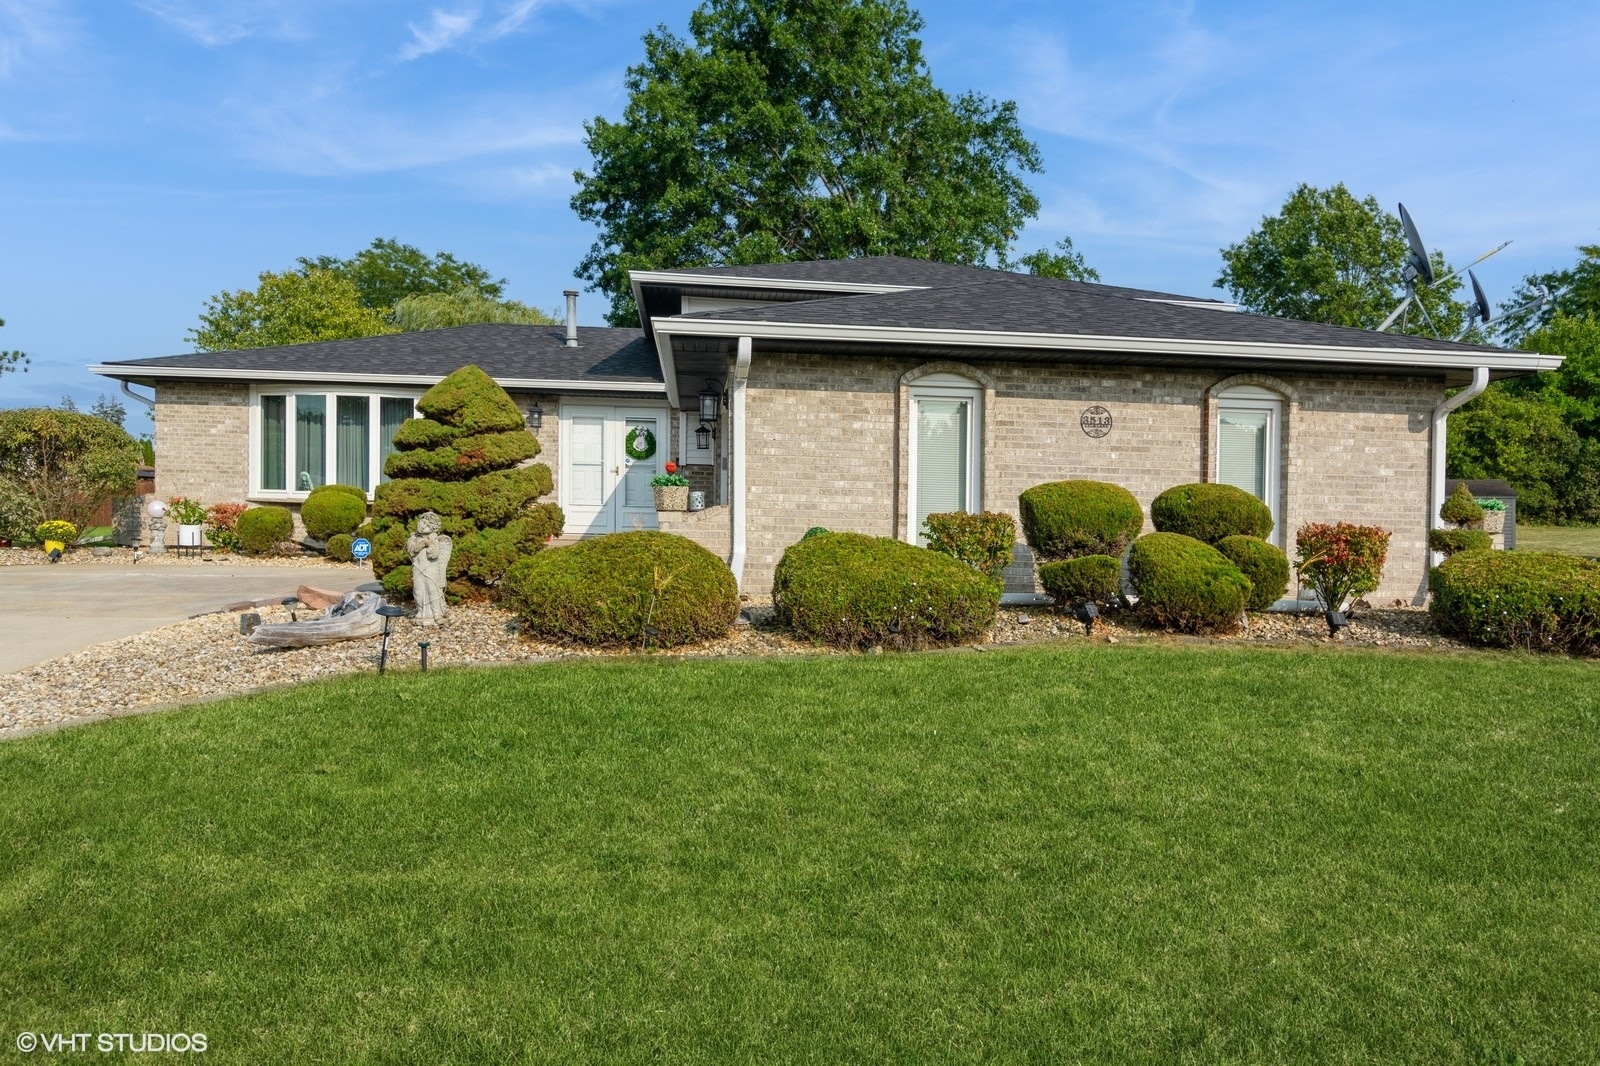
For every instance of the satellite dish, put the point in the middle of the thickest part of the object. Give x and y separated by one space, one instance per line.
1480 305
1419 252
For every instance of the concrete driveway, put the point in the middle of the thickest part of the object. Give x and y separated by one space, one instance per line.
48 611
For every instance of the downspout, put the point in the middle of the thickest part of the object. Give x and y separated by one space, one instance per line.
1437 445
130 394
736 459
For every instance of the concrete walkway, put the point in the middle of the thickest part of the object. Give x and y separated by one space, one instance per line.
48 611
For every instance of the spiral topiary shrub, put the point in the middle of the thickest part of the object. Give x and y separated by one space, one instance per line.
1066 519
1448 542
1187 585
1264 564
1540 601
1209 512
464 461
857 591
262 529
1088 577
333 509
642 587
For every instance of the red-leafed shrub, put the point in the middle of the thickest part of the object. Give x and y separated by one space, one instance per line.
1342 562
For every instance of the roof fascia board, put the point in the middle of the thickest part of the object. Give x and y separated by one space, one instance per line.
1420 357
669 367
127 373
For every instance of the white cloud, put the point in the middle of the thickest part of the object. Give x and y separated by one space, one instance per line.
28 31
215 23
441 31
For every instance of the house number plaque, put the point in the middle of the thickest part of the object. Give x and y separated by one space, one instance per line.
1096 421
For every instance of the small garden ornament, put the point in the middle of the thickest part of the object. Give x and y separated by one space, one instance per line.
430 562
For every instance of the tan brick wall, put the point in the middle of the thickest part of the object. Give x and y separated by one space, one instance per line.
828 438
202 443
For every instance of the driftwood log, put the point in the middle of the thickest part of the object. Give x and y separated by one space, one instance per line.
355 616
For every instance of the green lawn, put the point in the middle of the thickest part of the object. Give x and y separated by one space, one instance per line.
1575 540
1137 853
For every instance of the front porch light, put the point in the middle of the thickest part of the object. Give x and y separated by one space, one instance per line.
710 401
536 416
702 437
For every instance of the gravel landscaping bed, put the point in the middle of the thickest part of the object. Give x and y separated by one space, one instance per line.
208 658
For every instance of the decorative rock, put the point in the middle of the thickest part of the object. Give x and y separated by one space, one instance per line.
318 599
249 622
353 617
1023 619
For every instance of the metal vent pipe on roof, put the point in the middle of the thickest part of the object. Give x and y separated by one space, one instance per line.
572 317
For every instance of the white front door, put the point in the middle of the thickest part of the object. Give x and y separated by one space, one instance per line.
603 488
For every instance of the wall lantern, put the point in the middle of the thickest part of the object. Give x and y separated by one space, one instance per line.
702 437
710 400
536 416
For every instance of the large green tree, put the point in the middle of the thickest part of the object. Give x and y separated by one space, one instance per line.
797 129
1329 257
1574 293
60 464
463 307
387 271
288 308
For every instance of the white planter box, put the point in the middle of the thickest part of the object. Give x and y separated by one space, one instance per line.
189 536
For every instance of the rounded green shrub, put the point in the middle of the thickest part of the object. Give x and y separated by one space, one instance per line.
1186 584
1462 509
1210 512
1066 519
260 529
1449 541
617 588
857 591
333 509
813 531
1264 564
1541 601
339 547
1088 577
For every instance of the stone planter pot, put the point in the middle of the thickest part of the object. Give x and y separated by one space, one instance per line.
1494 522
672 497
189 536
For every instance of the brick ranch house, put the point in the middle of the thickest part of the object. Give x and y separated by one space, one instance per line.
863 395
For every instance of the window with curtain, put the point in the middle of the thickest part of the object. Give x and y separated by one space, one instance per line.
310 442
274 433
943 477
392 414
306 438
353 445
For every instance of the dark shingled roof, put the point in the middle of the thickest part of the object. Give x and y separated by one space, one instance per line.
1017 303
504 350
899 270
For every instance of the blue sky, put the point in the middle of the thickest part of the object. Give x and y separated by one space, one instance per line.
155 152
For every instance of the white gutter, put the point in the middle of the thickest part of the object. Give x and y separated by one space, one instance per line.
736 457
669 368
1517 362
126 373
1437 445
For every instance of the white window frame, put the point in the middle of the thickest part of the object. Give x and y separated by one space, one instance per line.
945 387
330 395
1256 398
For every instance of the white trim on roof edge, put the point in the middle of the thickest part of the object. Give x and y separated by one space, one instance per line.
124 373
815 331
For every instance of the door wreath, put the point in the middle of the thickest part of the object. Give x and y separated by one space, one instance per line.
640 443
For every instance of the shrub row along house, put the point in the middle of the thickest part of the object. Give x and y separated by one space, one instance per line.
864 395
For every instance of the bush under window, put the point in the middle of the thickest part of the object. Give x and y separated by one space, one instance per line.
1209 512
1343 562
857 591
983 541
1264 564
1187 585
1066 519
643 587
261 529
1088 577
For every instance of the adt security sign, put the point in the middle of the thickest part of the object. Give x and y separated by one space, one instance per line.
360 548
